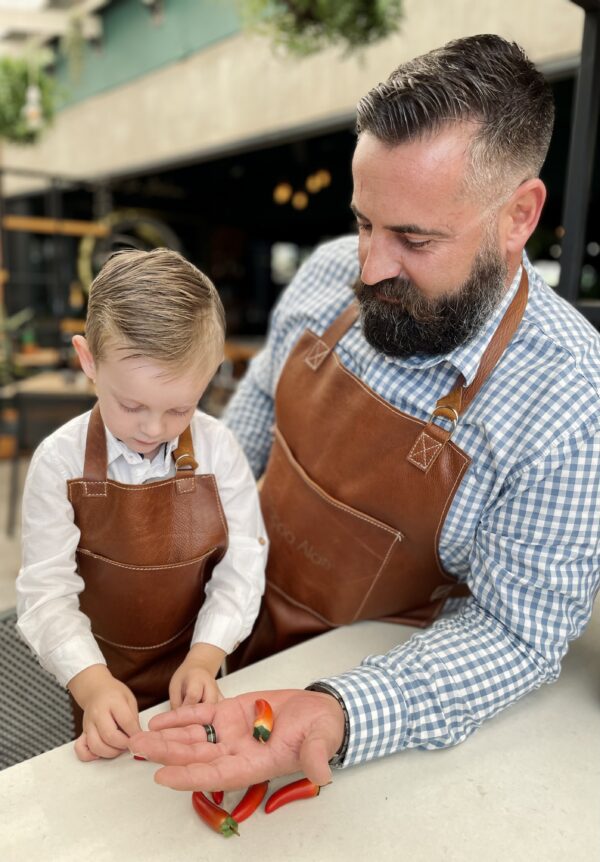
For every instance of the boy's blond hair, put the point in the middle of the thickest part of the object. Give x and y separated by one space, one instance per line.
156 305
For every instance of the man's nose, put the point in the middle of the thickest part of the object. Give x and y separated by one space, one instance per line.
380 262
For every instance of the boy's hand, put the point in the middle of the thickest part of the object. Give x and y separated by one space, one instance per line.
194 679
110 714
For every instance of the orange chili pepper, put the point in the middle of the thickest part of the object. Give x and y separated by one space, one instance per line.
263 723
301 789
217 818
250 801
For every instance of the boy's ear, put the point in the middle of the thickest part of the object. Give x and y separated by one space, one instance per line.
84 354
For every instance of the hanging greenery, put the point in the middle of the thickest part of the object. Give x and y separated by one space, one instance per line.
307 26
27 100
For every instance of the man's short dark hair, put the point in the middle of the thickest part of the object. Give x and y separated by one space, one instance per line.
483 80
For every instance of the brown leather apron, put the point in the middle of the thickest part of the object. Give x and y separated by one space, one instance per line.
355 495
145 554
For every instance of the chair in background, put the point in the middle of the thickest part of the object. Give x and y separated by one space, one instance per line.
42 405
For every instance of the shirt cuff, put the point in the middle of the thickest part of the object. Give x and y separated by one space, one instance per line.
377 713
70 658
220 630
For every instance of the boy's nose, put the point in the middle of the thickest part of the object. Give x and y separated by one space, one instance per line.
153 427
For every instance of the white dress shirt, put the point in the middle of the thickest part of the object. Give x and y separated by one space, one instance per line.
48 585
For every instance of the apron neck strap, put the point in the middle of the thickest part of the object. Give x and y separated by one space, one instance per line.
454 404
95 463
183 455
340 326
94 466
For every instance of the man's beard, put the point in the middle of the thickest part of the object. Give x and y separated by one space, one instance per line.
413 324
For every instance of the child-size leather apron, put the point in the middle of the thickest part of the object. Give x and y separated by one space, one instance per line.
355 495
145 554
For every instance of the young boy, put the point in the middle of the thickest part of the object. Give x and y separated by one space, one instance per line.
143 544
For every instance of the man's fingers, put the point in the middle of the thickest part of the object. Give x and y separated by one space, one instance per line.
199 713
176 753
227 772
314 757
189 735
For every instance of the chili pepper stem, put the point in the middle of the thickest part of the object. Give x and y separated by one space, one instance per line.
263 723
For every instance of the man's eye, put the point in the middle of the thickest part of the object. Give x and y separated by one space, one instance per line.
416 244
363 227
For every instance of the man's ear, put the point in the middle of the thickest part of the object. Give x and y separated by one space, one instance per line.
520 215
84 354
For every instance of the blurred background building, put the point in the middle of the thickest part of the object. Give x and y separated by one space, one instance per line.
176 126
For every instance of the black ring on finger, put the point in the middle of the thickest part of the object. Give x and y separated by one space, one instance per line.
211 733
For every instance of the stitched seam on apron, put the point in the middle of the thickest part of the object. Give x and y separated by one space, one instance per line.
374 395
154 646
148 487
298 604
218 498
374 581
146 568
331 500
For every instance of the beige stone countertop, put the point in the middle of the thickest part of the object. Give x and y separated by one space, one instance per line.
525 786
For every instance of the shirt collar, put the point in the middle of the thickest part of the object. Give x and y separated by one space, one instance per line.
117 449
465 358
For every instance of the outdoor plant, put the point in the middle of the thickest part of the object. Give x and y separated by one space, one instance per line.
17 77
306 26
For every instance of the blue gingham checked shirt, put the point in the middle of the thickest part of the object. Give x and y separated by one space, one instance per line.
523 529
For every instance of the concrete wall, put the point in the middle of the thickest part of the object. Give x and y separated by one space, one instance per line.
238 91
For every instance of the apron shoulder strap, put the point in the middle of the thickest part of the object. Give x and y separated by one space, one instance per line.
454 404
94 466
323 346
183 455
340 325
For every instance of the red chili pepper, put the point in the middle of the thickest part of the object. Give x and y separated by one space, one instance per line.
263 723
217 796
301 789
217 818
250 801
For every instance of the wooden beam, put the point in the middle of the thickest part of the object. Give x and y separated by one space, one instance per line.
65 227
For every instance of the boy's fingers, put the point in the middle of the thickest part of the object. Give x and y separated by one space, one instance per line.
82 749
99 746
127 720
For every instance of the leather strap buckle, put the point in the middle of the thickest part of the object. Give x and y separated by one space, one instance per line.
446 412
185 462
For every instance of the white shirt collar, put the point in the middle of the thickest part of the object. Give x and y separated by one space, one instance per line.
161 461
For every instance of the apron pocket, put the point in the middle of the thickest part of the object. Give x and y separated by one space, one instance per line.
324 556
140 607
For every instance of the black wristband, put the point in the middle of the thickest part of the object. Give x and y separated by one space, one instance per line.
338 757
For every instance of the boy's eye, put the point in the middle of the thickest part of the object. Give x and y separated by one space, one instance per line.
180 412
130 409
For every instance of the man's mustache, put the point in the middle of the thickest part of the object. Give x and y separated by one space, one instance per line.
404 297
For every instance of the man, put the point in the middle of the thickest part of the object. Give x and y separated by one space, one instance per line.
449 439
